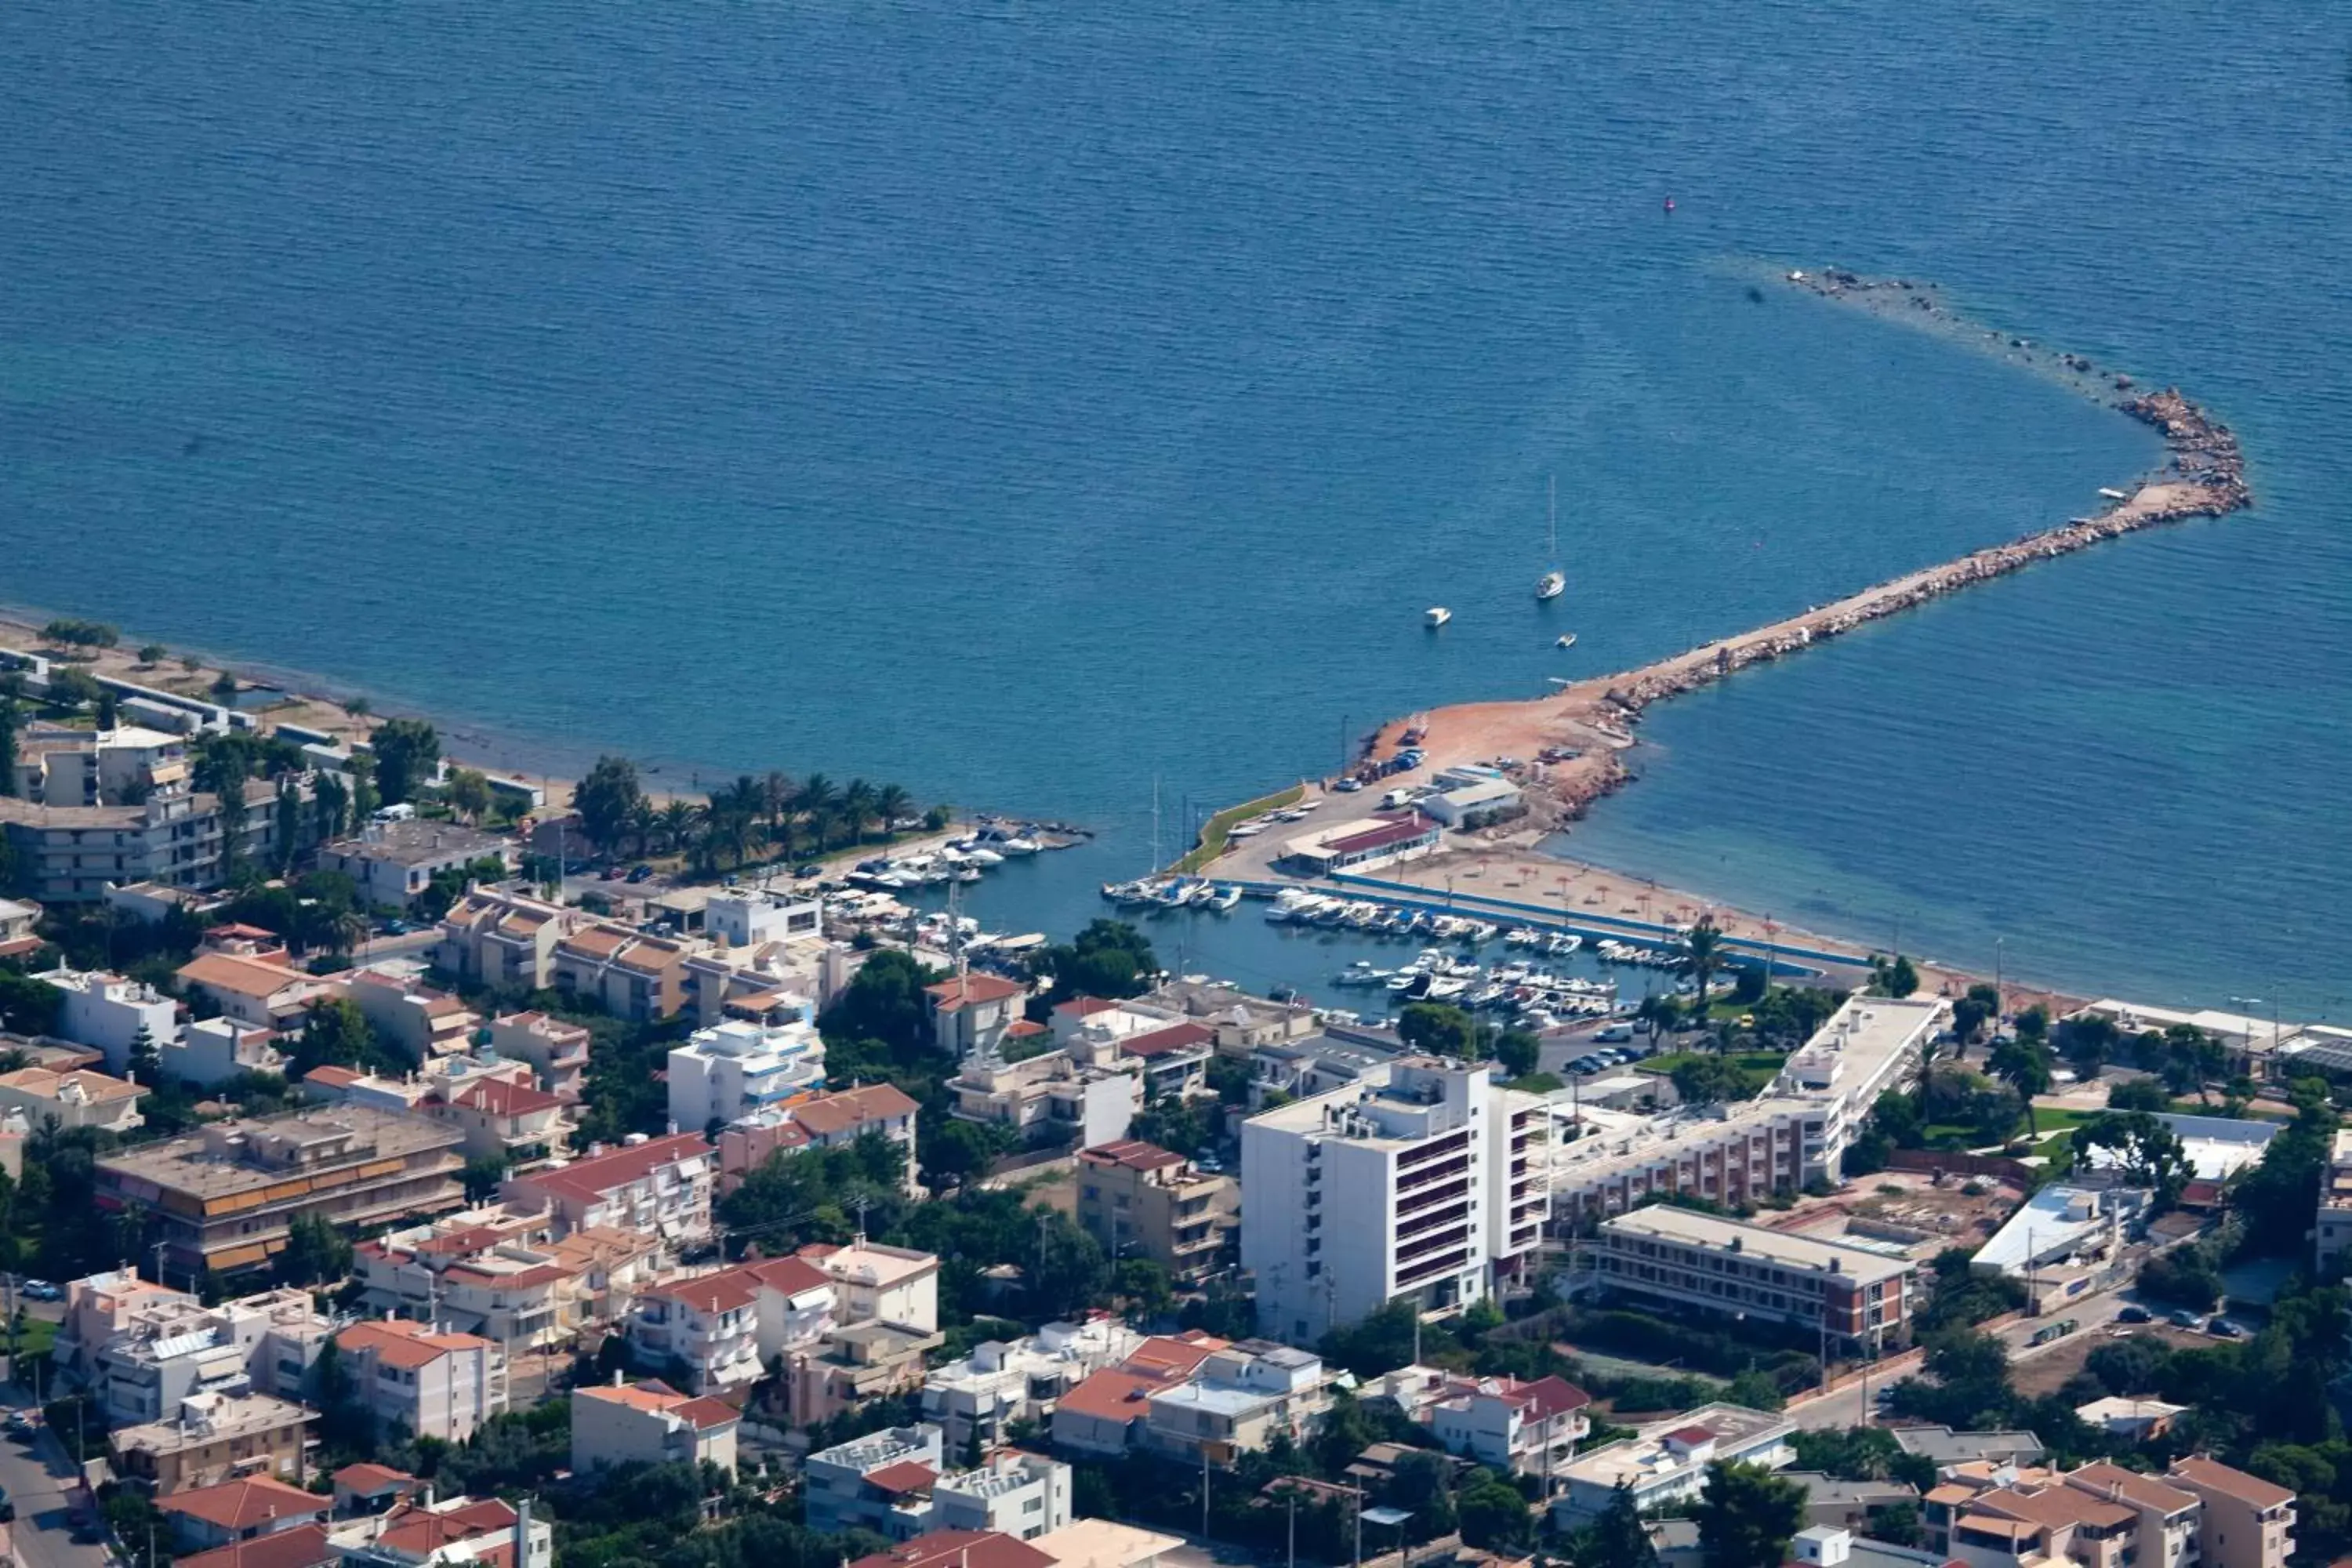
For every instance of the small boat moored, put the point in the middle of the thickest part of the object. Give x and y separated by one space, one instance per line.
1436 616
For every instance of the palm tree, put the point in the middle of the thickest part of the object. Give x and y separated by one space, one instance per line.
891 802
676 822
642 819
817 797
350 929
777 793
2024 1066
1702 956
857 807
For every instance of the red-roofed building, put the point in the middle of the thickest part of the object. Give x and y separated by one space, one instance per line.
960 1548
1526 1427
1175 1059
1102 1413
306 1546
520 1123
660 1187
652 1424
453 1533
707 1324
1383 837
240 1510
372 1488
820 1121
972 1012
433 1384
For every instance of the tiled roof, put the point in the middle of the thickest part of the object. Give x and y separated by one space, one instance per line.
788 1275
41 1083
1177 1353
2113 1480
650 1394
906 1476
728 1291
598 1174
1690 1437
2252 1491
706 1413
1161 1042
240 976
959 1548
242 1505
1115 1394
503 1097
416 1533
1084 1007
367 1479
405 1345
1133 1154
1549 1397
305 1546
1398 829
1023 1030
829 1114
949 996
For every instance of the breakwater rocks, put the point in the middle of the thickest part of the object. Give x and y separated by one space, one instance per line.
1587 726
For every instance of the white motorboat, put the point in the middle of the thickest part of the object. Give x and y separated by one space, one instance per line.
1566 641
1551 586
1018 846
980 856
1436 616
1553 583
1225 898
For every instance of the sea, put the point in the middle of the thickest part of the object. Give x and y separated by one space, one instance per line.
1055 407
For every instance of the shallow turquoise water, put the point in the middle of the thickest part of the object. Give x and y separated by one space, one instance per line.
1022 403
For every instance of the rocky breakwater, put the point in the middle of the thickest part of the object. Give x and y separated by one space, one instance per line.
1586 728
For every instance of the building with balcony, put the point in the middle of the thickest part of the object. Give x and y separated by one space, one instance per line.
99 1306
255 992
1238 1398
1021 1495
212 1438
855 1362
977 1398
1859 1301
1142 1201
1666 1460
168 1347
739 1069
1996 1514
108 1013
214 1050
649 1423
1425 1183
830 1120
76 1098
630 976
1104 1415
241 1509
1086 1090
2332 1227
706 1327
860 1484
2167 1516
886 1284
659 1187
1519 1428
971 1013
2243 1522
408 1015
453 1533
393 863
73 854
223 1197
428 1383
505 940
557 1051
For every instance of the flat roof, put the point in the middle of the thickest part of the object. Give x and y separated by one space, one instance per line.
1645 1457
2048 1224
214 1163
1686 1228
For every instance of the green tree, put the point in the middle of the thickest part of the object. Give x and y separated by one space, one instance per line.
1494 1515
468 792
2033 1023
1756 1389
892 804
2139 1094
484 1175
110 707
335 1033
405 752
1519 1052
1899 978
316 1253
1702 955
1709 1081
1439 1029
73 689
2275 1196
885 1002
1109 959
1747 1516
146 1061
603 800
858 807
11 717
2024 1066
1969 1018
2147 1153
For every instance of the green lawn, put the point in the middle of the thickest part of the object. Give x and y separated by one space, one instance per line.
1214 834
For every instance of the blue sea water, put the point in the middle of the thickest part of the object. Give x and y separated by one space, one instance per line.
1026 402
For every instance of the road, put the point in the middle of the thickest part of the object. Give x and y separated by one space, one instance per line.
37 1475
1843 1407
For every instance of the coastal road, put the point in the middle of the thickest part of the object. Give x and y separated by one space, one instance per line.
1843 1407
36 1474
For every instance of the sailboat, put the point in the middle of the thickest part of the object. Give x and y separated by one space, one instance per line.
1554 583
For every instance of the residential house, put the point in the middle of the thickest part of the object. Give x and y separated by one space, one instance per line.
18 918
1239 1398
706 1327
504 939
100 1306
649 1423
1174 1059
454 1533
77 1099
1522 1428
1017 1494
1942 1446
1142 1201
633 976
2332 1227
212 1051
829 1120
393 863
167 1347
212 1438
223 1196
1990 1514
306 1546
892 1284
660 1186
855 1362
410 1016
978 1397
1103 1415
519 1125
738 1069
492 1271
795 1309
959 1548
367 1488
108 1013
2133 1420
2244 1522
970 1013
2169 1520
556 1051
428 1383
1085 1090
1665 1461
252 991
241 1509
1835 1503
1104 1544
860 1485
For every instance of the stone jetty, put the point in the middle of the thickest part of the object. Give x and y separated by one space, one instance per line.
1586 726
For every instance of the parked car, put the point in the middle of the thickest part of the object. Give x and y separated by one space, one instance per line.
1615 1032
639 873
1347 786
811 869
2185 1318
2223 1329
40 1290
2135 1314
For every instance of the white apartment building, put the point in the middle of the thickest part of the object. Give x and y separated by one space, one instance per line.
649 1423
873 1283
857 1485
1016 1494
1796 1131
1856 1299
1425 1182
1239 1397
747 917
431 1383
216 1050
708 1326
2331 1227
1666 1460
1526 1428
166 1347
739 1069
659 1187
106 1013
1004 1380
77 1099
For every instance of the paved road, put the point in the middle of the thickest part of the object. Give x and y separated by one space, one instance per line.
1843 1407
37 1475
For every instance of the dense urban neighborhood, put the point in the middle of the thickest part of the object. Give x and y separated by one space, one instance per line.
402 1168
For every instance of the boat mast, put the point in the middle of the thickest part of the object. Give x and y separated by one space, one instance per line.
1552 520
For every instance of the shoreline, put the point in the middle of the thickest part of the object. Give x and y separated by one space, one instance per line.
1572 743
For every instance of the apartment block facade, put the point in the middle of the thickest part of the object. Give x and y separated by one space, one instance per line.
1857 1300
